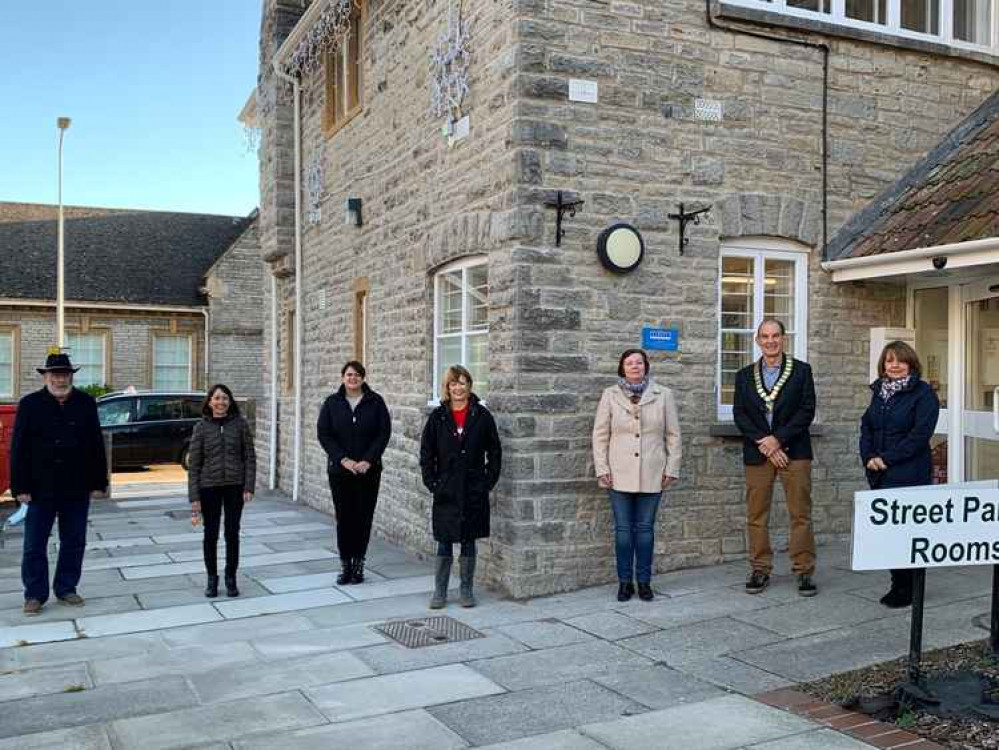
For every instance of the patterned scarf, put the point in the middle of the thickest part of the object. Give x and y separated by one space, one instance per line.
634 390
890 387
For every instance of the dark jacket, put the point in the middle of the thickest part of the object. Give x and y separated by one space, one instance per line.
460 472
221 454
899 431
794 411
361 434
57 451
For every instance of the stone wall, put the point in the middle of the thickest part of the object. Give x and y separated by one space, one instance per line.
558 321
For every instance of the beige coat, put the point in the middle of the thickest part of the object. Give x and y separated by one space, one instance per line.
637 443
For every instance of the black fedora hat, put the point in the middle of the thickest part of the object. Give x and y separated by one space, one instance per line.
57 363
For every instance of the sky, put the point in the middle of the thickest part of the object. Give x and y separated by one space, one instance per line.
153 88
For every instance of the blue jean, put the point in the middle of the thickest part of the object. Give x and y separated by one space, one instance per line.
634 533
72 515
446 549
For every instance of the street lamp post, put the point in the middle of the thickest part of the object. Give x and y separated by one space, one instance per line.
63 124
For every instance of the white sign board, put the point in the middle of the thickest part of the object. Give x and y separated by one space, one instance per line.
582 91
926 527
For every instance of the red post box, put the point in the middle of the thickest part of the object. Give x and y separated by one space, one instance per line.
7 414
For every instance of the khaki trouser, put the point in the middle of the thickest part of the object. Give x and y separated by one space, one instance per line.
796 480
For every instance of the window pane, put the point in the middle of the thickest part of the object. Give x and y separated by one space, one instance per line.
478 363
87 352
115 412
931 322
820 6
737 290
448 353
449 302
478 297
736 353
172 363
778 292
338 77
872 11
352 43
6 364
921 15
973 20
155 409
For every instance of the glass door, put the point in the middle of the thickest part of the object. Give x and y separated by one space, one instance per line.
981 380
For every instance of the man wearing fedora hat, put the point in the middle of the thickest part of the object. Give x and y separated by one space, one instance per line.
57 463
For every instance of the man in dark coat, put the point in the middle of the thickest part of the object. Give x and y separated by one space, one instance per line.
773 408
57 463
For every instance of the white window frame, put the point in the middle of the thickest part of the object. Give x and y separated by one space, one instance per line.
761 250
190 357
12 335
893 25
104 354
464 264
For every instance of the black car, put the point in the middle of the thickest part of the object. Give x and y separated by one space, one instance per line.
149 427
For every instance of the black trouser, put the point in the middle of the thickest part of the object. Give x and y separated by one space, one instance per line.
354 497
213 501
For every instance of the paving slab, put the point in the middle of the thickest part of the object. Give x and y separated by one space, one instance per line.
694 580
820 739
611 626
124 561
711 638
535 711
295 529
55 611
229 631
45 632
372 696
562 664
100 704
189 555
723 723
250 679
137 541
299 644
412 730
220 722
271 603
84 649
309 581
93 737
27 683
656 685
699 607
394 587
813 615
250 561
565 739
403 569
544 634
735 675
150 619
393 657
376 610
175 661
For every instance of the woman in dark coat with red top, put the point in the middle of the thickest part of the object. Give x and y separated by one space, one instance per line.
460 458
354 428
895 434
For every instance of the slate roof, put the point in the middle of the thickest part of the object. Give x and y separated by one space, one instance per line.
138 257
951 195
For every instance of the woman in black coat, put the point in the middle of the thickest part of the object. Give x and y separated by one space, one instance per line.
460 458
895 434
354 428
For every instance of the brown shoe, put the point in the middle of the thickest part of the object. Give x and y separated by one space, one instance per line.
32 607
73 600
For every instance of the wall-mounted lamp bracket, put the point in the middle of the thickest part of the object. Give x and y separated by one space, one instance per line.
686 217
562 208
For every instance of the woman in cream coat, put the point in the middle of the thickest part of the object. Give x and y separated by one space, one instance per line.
636 455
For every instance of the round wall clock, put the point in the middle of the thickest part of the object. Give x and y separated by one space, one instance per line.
620 248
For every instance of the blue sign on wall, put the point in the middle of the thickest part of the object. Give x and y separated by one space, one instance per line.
663 339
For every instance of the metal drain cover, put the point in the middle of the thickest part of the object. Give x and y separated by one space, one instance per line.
427 631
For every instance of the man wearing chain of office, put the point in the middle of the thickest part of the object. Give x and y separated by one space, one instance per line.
773 408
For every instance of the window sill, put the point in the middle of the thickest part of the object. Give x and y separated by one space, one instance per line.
817 25
729 430
329 130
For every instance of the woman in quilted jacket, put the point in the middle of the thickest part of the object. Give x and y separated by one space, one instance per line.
221 473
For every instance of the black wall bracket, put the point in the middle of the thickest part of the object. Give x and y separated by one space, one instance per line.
686 217
561 208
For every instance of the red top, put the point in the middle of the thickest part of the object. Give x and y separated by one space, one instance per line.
459 418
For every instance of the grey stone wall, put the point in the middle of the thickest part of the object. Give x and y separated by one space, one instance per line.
558 321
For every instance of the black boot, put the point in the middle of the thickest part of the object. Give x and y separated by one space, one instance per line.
625 590
357 575
212 587
900 593
230 585
346 572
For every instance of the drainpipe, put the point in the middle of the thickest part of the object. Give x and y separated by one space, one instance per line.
272 469
208 321
297 443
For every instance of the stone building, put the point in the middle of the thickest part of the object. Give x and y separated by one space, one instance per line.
410 156
136 302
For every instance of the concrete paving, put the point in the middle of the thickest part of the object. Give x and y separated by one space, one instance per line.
297 662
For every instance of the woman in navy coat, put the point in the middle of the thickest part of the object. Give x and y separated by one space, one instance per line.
895 434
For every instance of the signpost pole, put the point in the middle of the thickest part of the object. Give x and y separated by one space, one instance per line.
916 630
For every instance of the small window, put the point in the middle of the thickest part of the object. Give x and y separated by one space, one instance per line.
172 363
361 288
158 409
115 412
758 283
6 364
461 322
289 351
88 352
344 91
